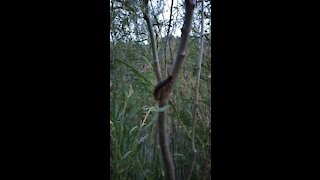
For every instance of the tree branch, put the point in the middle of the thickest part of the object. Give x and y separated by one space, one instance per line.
156 66
196 99
165 90
166 93
190 4
168 34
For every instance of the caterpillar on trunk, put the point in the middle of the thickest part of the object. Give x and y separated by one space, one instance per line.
160 86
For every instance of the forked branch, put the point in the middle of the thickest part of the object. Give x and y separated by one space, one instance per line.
164 91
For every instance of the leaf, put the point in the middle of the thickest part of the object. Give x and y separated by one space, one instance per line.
135 71
151 123
130 132
178 154
146 116
141 140
162 109
127 154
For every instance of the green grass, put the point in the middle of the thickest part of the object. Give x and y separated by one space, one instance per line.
134 150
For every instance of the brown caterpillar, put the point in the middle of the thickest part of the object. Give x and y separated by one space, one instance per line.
160 86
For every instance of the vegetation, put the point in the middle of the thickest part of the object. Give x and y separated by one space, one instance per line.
135 152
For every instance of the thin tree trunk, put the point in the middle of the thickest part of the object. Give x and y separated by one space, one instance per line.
166 90
196 99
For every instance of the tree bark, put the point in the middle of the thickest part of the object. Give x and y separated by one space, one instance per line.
166 91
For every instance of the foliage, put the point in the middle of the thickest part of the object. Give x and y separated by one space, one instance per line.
134 149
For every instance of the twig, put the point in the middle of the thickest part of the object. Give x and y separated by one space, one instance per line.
168 34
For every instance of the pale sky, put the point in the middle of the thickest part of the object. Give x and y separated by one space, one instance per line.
166 14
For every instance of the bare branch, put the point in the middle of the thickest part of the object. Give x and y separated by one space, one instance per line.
168 34
196 99
185 31
156 66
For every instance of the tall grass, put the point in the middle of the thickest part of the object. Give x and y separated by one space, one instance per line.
134 148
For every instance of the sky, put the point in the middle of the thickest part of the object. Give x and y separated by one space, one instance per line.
166 14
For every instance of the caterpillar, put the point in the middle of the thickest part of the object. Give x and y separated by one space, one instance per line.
160 86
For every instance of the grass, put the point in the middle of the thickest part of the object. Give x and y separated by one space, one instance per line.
134 150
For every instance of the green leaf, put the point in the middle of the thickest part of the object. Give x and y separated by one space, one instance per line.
151 123
130 132
142 139
127 154
135 71
162 109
